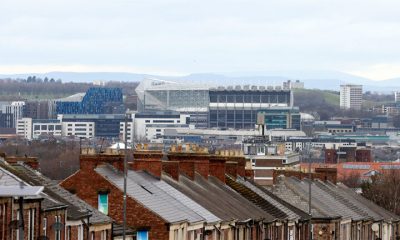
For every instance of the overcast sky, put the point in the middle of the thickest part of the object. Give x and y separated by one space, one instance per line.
187 36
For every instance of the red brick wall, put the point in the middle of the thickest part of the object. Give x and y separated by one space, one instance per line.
148 155
171 168
202 167
217 167
30 161
330 156
363 155
87 183
89 162
28 204
154 167
187 168
249 174
232 169
51 219
5 232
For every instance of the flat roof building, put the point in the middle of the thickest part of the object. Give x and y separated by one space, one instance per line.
351 96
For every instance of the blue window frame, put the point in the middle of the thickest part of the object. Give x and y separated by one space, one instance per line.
142 235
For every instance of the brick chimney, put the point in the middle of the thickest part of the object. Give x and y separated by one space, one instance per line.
172 168
191 159
147 160
91 160
217 165
30 161
232 169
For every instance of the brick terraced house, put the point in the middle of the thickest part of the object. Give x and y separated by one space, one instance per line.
54 214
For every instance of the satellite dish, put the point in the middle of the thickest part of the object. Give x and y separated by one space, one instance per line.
375 227
57 226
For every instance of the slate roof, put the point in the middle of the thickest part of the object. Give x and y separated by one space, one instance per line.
150 196
256 199
8 177
330 198
291 211
76 208
287 193
324 201
218 198
375 211
182 198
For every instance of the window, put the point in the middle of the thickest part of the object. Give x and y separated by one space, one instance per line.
147 121
51 127
31 224
69 233
103 202
45 226
58 227
37 127
142 235
58 127
80 232
44 127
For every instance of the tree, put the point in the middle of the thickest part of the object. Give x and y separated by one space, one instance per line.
46 80
384 190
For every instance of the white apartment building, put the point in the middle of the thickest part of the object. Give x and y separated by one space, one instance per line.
152 125
129 131
351 96
79 129
32 128
24 128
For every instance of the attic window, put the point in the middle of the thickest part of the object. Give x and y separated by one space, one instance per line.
146 189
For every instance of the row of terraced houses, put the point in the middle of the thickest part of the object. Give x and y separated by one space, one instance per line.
185 193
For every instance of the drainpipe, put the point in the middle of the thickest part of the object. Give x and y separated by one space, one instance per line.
21 218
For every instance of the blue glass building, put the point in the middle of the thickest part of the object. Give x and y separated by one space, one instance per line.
95 101
280 118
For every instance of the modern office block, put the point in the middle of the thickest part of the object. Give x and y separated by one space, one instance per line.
95 101
280 118
34 128
104 125
237 107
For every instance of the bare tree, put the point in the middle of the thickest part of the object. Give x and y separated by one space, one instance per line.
384 190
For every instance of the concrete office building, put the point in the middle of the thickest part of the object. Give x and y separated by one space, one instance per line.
34 128
351 96
93 125
80 129
150 126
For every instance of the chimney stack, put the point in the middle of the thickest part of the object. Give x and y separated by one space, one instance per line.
191 160
147 160
217 165
90 161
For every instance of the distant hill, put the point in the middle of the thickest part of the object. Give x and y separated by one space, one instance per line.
328 80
